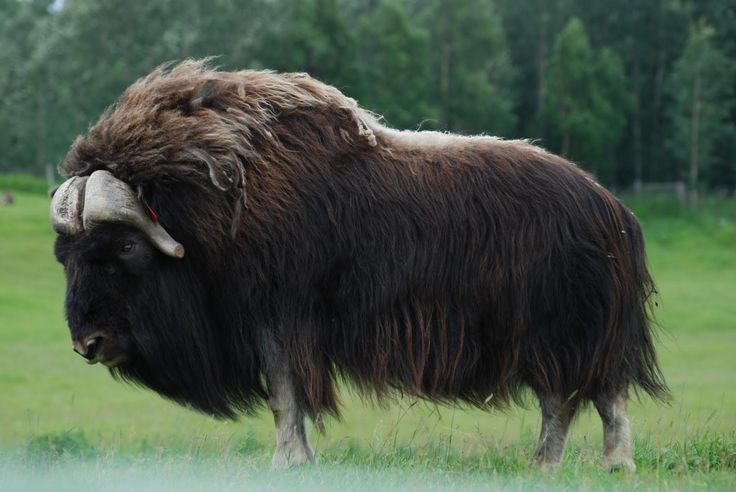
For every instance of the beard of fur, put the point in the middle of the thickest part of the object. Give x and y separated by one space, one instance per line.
186 352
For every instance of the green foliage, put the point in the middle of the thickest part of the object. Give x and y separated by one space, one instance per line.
587 103
312 36
705 453
471 71
23 182
19 26
608 83
702 89
611 101
250 445
394 76
53 447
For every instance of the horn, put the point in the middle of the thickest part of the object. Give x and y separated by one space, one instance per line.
107 199
66 206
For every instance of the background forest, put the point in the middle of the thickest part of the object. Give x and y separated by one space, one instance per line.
633 90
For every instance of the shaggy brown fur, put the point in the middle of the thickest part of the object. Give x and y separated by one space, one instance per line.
451 268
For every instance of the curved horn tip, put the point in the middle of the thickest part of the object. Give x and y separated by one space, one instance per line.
109 199
178 252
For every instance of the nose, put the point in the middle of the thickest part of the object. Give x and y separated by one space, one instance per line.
89 346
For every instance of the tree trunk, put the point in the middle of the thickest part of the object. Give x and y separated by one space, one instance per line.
565 150
40 122
659 90
445 84
636 129
695 141
541 66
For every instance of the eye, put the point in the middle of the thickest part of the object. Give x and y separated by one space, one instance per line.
110 268
127 247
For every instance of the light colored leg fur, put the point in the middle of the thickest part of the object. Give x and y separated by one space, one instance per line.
557 414
292 446
617 452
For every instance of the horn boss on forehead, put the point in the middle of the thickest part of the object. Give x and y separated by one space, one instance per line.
66 206
82 203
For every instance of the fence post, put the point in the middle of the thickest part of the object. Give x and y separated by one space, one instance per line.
50 177
681 191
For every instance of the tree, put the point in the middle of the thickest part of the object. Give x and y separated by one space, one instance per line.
395 74
701 85
648 35
587 100
609 97
310 36
471 70
530 28
611 102
22 126
61 68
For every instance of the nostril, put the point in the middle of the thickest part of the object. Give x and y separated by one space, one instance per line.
89 347
92 346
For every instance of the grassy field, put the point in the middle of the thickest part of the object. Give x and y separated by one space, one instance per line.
64 424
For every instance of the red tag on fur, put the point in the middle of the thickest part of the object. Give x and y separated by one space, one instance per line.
151 213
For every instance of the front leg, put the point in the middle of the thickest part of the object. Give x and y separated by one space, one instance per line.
292 446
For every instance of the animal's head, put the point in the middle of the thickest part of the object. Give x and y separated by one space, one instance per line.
216 155
108 244
137 304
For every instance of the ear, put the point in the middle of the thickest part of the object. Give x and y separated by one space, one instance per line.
205 95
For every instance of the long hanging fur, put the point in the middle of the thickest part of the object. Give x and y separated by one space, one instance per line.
451 268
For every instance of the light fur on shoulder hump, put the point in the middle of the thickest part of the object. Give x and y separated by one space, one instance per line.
151 125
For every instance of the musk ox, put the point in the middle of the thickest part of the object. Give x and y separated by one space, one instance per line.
235 238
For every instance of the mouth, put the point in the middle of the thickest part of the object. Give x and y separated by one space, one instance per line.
114 362
94 349
108 362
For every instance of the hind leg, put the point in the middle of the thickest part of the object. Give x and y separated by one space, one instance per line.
557 413
616 431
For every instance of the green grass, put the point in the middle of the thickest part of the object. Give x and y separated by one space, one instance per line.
23 182
68 461
57 414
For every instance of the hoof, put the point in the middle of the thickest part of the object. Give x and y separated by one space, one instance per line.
546 466
282 460
619 465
